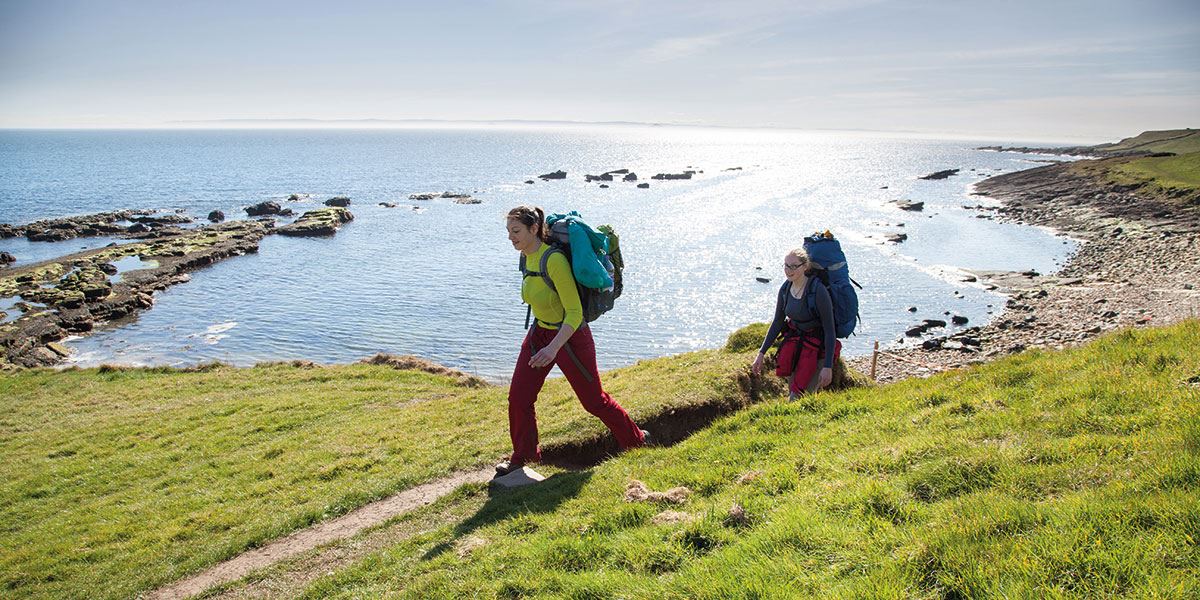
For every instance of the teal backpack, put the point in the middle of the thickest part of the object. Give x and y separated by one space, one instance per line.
606 266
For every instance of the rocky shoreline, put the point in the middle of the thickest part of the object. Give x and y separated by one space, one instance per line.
73 294
1138 264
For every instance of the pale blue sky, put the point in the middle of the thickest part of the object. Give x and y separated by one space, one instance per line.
1025 70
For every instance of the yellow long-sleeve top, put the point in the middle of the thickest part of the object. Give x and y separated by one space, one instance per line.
549 307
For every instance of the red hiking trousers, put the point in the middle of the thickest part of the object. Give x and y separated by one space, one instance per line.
527 382
801 356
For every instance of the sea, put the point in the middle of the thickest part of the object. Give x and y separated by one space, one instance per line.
439 280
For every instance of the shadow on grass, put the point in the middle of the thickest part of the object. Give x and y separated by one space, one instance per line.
504 503
669 425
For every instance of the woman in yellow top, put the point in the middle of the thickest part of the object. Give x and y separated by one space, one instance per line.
558 336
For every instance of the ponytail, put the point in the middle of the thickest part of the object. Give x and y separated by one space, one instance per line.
530 216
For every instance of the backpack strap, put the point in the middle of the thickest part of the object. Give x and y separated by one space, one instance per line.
543 272
809 297
545 263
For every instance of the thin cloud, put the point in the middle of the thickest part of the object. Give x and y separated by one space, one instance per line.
682 47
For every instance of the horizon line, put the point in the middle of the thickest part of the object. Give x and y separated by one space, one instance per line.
374 123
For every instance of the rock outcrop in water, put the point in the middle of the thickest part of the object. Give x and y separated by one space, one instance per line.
57 230
560 174
269 207
168 219
940 174
320 222
341 201
74 294
683 175
909 205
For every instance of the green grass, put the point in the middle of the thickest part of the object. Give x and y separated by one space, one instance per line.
1179 141
1170 180
1044 475
1168 172
115 482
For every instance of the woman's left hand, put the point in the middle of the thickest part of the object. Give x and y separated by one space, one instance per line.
825 378
544 357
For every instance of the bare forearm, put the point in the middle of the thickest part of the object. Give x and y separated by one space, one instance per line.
560 339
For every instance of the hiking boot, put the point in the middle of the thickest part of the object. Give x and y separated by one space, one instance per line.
507 466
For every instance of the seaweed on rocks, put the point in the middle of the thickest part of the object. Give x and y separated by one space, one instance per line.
320 222
73 294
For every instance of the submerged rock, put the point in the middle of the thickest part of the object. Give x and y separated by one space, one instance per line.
320 222
683 175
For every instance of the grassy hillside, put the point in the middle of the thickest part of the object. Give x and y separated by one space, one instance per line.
1170 180
1179 141
1166 172
117 481
1071 474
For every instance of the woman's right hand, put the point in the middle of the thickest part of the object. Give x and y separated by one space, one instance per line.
756 366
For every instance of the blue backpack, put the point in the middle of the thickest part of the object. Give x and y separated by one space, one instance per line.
826 253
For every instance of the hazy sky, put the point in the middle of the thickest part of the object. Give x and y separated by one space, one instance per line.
1097 69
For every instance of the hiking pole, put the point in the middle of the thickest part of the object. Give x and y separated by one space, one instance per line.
874 359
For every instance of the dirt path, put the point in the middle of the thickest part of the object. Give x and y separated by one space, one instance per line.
320 534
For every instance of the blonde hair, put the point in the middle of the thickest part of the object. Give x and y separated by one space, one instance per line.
802 254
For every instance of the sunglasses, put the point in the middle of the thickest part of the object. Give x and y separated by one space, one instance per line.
793 267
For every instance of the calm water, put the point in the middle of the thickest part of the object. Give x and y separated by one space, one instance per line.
441 282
